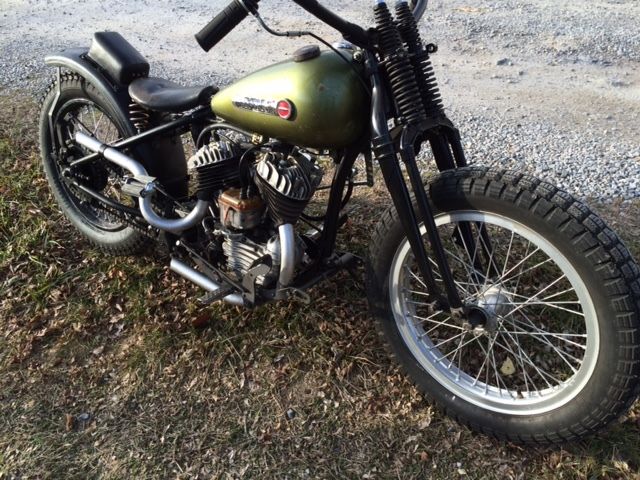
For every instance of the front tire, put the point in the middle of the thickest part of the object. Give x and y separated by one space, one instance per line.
558 357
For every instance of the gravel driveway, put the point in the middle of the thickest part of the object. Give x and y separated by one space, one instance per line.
544 86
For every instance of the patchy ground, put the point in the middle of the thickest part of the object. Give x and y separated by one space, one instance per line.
103 374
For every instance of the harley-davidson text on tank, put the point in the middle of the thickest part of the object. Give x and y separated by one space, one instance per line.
277 108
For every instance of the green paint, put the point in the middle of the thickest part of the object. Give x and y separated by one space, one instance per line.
330 104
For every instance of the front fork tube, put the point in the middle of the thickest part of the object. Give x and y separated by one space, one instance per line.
407 154
385 154
396 185
448 154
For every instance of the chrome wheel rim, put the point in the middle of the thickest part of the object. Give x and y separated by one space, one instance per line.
540 344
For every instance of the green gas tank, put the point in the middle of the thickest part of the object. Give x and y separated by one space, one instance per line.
314 100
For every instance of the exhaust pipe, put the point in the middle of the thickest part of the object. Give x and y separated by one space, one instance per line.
136 168
287 254
203 281
286 232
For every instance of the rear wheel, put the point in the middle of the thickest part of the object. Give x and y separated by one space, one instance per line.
557 356
80 107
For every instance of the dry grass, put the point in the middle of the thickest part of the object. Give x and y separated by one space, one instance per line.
281 392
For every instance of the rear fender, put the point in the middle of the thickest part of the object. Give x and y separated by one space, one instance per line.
75 60
164 157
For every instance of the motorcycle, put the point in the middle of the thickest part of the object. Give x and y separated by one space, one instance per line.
505 300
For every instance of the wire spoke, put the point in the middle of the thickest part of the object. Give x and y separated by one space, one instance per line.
438 324
546 304
422 304
472 269
436 273
523 304
539 331
554 335
490 350
560 353
525 375
466 267
521 262
93 115
459 347
424 294
506 257
484 362
444 341
491 261
519 274
459 364
499 377
454 357
106 136
557 294
542 374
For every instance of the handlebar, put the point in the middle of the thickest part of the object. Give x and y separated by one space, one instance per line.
224 22
237 10
418 7
351 32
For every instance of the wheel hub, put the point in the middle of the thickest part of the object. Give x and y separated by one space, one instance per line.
483 316
496 301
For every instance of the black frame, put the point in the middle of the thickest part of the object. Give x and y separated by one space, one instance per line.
387 146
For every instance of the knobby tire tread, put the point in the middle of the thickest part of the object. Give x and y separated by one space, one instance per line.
600 246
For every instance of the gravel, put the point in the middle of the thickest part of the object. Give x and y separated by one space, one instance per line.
548 87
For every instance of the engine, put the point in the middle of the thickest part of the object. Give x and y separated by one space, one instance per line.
214 168
258 191
287 184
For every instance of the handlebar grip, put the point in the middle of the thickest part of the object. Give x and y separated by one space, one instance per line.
222 24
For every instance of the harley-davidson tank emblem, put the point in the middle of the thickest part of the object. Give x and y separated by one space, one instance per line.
278 108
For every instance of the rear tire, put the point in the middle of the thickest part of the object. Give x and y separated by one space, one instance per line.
586 338
109 235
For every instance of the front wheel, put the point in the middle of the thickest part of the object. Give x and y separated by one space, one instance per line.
557 355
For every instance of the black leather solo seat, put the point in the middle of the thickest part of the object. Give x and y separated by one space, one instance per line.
166 96
121 62
117 58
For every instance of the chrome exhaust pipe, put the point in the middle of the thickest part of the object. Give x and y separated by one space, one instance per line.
172 225
287 254
203 281
111 154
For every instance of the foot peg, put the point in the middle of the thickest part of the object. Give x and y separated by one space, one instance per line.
290 293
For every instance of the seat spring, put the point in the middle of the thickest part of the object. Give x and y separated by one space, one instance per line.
139 117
